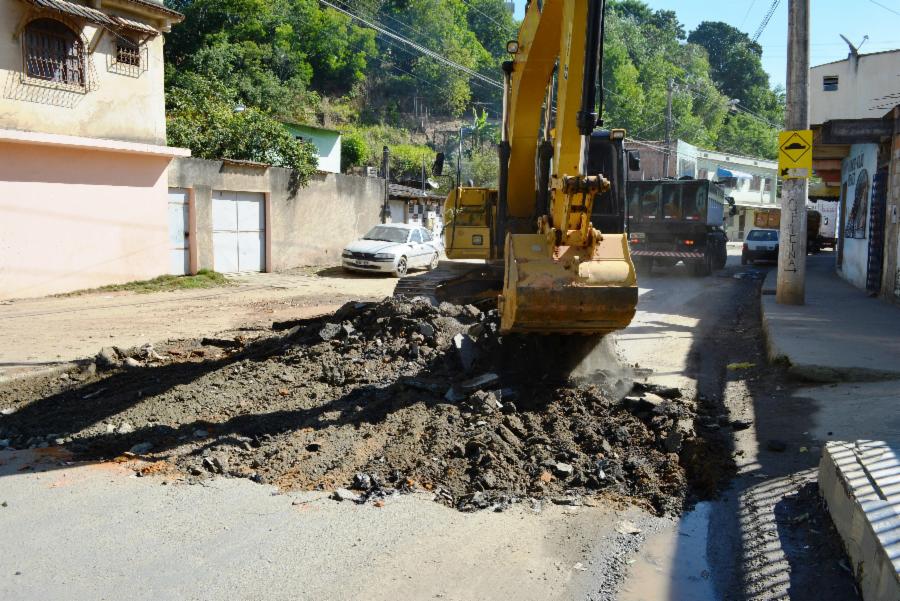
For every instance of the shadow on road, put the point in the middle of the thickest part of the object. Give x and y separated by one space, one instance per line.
767 535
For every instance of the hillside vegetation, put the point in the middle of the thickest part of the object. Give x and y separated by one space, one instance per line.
235 69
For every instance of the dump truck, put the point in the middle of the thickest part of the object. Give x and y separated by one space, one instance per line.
672 221
771 219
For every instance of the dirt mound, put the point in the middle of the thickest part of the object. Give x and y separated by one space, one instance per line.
379 397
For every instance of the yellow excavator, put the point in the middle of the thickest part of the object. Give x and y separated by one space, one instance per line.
550 240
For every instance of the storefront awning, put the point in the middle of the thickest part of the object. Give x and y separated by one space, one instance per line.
722 173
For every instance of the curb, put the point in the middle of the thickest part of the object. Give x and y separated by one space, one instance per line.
855 482
41 372
817 374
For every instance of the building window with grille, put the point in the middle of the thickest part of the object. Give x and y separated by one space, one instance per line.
54 53
128 52
830 83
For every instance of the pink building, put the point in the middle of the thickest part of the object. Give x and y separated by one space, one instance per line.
83 155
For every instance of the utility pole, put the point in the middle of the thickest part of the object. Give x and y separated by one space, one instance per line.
669 89
386 171
791 284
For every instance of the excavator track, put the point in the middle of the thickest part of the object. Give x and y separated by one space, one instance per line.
455 282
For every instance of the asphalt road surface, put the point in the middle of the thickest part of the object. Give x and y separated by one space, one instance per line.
95 531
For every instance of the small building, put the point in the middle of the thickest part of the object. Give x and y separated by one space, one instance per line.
413 205
83 186
862 86
326 141
751 181
855 118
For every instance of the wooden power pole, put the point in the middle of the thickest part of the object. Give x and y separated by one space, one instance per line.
386 172
791 285
669 89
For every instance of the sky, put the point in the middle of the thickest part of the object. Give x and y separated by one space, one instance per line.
829 18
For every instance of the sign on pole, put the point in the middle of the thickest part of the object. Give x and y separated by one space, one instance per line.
795 154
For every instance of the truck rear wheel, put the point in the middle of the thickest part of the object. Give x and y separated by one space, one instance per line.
703 267
721 257
643 265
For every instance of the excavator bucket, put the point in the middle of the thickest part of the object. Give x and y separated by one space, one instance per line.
559 292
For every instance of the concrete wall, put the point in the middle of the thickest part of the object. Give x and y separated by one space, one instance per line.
311 228
76 218
121 107
862 87
856 174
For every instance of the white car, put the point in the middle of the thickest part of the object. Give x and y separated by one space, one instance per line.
392 248
760 245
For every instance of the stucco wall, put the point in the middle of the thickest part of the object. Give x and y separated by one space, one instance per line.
310 228
861 90
121 107
72 219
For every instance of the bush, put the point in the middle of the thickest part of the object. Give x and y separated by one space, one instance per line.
406 160
354 151
484 167
211 128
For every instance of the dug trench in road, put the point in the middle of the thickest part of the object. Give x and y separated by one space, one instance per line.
767 535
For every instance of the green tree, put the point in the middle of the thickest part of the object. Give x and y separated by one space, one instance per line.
735 61
492 24
273 53
645 49
743 134
407 160
442 26
483 167
211 128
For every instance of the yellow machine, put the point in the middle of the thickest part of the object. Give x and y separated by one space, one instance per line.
559 181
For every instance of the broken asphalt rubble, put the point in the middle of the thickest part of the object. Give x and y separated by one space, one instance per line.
378 398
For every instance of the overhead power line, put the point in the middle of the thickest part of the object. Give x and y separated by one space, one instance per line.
747 14
482 13
887 8
426 51
766 19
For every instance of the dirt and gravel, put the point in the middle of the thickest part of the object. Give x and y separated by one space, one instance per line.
379 399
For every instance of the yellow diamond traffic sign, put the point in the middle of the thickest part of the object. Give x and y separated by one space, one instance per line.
795 154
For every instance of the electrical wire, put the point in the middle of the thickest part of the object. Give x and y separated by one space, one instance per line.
426 51
374 10
766 19
887 8
484 14
747 14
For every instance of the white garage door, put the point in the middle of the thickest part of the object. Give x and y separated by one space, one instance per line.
179 255
239 231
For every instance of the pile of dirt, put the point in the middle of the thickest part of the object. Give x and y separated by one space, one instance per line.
379 397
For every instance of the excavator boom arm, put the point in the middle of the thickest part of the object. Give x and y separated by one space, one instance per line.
560 274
